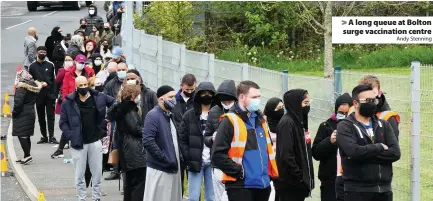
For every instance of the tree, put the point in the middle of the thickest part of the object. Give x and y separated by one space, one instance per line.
318 15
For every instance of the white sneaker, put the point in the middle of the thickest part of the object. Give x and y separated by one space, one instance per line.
66 146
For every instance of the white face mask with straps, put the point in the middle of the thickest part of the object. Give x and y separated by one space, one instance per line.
227 106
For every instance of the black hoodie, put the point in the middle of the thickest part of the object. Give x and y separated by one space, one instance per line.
94 19
367 166
293 153
191 131
226 88
51 42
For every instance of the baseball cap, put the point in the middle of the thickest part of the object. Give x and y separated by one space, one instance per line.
80 58
117 52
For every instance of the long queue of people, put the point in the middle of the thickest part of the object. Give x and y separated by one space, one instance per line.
216 136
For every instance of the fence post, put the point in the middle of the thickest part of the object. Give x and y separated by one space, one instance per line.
285 81
415 130
211 69
159 57
337 82
139 8
245 71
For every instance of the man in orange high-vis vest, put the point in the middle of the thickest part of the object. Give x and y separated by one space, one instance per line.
242 148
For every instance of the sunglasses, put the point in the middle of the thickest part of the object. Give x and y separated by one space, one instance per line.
369 100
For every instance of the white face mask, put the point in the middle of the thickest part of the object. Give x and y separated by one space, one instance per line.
227 106
80 66
137 99
131 82
98 62
91 12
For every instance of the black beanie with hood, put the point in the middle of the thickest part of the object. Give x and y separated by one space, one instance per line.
343 99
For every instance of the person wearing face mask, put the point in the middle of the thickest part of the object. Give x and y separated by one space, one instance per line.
59 52
132 155
325 148
52 40
67 64
383 110
107 35
160 139
44 71
225 99
368 147
93 19
97 62
73 71
197 155
85 108
274 111
82 28
295 163
30 52
112 89
105 50
242 149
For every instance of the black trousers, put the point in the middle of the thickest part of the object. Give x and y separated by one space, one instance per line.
339 188
26 145
367 196
327 191
134 185
248 194
294 193
62 142
46 104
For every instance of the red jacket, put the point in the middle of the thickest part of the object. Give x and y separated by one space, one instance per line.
69 80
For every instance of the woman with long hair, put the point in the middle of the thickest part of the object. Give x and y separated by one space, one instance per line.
23 114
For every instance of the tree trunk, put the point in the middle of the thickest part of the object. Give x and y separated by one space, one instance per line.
328 60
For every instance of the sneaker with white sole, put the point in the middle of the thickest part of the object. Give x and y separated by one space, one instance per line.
26 160
57 154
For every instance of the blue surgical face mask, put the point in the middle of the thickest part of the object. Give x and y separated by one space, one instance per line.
254 105
80 66
121 75
340 116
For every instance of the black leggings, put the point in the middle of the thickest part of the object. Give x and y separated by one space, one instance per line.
62 143
26 145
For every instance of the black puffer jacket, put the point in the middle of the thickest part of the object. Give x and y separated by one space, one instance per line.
293 153
23 114
190 131
227 88
132 154
94 19
148 100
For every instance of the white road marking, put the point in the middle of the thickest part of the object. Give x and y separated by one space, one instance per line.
50 13
19 24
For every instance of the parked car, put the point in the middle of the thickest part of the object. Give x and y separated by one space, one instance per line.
76 5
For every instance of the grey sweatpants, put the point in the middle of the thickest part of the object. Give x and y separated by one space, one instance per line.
93 153
218 186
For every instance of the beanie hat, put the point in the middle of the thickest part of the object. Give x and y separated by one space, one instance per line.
343 99
163 90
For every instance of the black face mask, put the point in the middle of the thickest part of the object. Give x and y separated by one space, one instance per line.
276 115
187 94
36 37
206 100
83 91
83 26
99 88
106 28
305 110
41 56
367 109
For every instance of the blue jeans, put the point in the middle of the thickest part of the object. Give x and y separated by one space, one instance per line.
195 180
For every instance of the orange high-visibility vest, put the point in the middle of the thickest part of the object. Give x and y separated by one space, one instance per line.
385 115
239 141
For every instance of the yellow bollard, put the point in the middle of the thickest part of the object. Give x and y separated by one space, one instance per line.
4 163
41 196
6 109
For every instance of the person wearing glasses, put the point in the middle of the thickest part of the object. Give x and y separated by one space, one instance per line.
368 147
325 147
293 155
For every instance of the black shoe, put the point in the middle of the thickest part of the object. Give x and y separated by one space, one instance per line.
112 176
53 141
27 160
98 200
57 154
43 140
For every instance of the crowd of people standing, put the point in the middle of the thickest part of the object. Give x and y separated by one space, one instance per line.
217 136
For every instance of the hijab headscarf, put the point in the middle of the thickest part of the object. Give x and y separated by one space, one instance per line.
55 35
272 116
